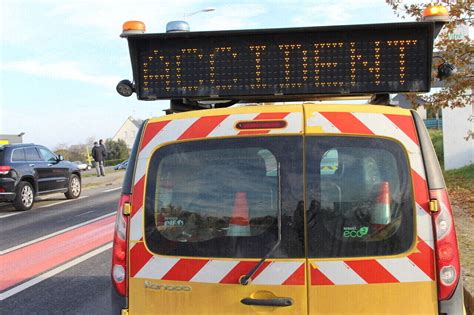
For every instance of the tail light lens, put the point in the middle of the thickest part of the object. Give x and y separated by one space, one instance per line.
119 251
447 252
4 169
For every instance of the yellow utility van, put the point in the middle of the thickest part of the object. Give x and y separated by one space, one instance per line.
293 207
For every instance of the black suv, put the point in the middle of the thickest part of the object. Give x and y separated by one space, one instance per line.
27 170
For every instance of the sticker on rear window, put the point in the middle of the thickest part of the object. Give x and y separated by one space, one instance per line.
352 232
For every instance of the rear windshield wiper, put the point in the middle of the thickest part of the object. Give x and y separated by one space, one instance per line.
246 279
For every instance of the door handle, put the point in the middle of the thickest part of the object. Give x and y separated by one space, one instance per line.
50 164
278 301
32 165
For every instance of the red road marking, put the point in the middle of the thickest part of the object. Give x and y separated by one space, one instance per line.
27 262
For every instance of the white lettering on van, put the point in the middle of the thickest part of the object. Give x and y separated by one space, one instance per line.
166 287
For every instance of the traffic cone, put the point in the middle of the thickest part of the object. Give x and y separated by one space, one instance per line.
381 215
239 222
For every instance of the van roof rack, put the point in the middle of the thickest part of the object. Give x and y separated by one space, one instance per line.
184 105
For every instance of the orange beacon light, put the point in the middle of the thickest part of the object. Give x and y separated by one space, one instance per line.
436 13
132 27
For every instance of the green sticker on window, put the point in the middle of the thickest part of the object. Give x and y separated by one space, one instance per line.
352 232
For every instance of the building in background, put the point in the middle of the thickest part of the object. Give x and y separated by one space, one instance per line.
458 151
128 131
8 139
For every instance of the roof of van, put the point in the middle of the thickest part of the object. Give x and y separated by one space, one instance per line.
293 106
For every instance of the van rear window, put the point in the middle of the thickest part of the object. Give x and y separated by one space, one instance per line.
225 198
237 197
359 196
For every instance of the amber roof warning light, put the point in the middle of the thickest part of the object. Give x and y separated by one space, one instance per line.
132 27
436 13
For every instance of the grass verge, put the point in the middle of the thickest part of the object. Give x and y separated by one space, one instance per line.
460 183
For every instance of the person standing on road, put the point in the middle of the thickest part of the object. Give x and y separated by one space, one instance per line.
102 147
98 156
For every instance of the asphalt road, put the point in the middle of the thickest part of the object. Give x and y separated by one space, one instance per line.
55 258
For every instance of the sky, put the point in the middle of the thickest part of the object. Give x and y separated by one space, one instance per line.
60 61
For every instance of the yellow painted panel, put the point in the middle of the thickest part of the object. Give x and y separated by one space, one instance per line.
181 297
390 298
4 142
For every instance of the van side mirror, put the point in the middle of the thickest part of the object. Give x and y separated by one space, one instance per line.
60 157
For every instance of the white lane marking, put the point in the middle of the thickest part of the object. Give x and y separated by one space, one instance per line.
53 272
80 215
113 189
55 233
9 214
61 202
45 206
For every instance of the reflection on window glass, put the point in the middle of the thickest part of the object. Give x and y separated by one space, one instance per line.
363 206
18 155
329 162
32 154
47 155
221 198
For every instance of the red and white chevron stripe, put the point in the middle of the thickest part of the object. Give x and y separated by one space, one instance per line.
146 265
416 267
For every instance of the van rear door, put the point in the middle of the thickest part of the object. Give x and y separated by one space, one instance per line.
370 237
208 212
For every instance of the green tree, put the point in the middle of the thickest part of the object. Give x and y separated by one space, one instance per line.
116 150
458 89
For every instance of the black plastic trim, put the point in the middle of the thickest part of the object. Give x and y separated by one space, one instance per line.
277 301
434 175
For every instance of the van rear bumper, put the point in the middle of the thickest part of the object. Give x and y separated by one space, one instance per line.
455 305
7 196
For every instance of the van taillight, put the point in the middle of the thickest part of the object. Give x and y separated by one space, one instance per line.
119 251
447 252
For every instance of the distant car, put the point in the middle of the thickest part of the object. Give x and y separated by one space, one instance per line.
28 170
82 166
121 166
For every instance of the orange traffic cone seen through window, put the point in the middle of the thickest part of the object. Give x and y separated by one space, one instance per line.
239 222
381 214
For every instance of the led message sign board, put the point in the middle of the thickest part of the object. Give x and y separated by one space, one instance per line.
344 60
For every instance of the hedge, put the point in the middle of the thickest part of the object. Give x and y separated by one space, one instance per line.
113 162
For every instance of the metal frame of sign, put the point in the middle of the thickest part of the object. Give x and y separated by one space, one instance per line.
300 62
